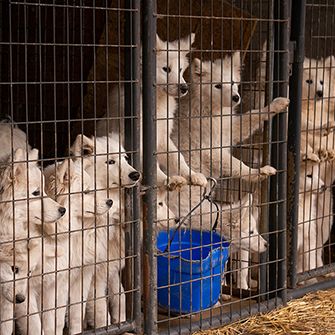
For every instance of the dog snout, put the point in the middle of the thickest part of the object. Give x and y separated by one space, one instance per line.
319 94
62 210
323 189
135 175
236 98
19 298
183 88
109 203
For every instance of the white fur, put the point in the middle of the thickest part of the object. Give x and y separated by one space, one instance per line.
235 222
71 186
22 196
171 64
16 263
310 187
12 138
212 93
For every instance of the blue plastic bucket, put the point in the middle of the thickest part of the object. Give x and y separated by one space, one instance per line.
193 270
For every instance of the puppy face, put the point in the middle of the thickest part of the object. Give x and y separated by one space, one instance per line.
22 186
105 161
314 79
218 81
72 184
171 64
242 228
14 271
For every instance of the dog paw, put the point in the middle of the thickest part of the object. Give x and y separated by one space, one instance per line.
198 179
176 182
267 170
225 297
253 283
279 104
323 154
331 155
310 156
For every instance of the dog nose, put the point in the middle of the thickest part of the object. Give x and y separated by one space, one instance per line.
19 298
183 88
135 175
109 203
323 188
62 210
236 98
319 94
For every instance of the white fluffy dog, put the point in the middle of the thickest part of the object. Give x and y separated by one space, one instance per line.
235 222
72 186
24 205
310 188
171 64
17 261
208 110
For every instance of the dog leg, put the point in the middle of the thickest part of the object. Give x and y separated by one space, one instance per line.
176 159
239 169
54 319
78 297
96 309
245 125
6 316
243 271
29 325
117 300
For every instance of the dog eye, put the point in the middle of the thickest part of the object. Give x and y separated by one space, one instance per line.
167 69
309 81
15 269
309 176
160 204
218 86
321 82
251 232
111 161
36 193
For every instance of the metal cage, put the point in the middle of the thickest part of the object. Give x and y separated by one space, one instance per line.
175 188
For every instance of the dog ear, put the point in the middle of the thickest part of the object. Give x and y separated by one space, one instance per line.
19 166
33 155
329 61
64 171
197 67
160 45
82 146
185 44
237 66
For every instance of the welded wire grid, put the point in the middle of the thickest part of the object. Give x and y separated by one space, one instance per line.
58 61
316 252
253 273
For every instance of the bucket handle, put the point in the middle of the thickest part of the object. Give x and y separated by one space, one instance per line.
205 196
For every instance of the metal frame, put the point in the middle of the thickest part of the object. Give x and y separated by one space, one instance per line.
136 46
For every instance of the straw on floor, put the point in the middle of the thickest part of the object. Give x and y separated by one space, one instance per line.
313 314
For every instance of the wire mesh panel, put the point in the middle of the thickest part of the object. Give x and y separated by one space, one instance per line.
215 215
315 245
166 137
70 252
